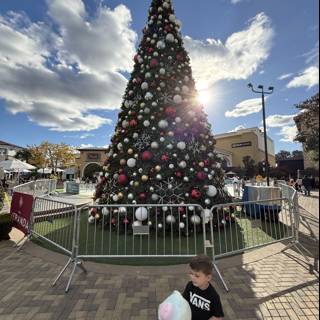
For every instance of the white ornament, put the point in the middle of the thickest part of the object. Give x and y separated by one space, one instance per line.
172 18
163 124
154 145
170 37
146 123
178 120
141 214
212 191
115 198
155 197
170 219
181 145
182 164
144 86
148 96
123 210
207 215
105 211
161 45
91 219
131 163
182 225
162 71
177 99
185 89
195 219
125 124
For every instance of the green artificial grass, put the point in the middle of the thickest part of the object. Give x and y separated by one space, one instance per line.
243 233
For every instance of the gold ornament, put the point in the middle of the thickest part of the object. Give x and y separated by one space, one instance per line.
123 162
158 168
144 178
130 151
136 184
201 164
120 195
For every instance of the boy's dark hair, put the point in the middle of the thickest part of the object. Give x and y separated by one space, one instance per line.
201 263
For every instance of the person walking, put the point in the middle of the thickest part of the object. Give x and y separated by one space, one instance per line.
306 182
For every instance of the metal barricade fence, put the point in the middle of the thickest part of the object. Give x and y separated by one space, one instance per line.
249 225
54 222
152 230
37 187
161 230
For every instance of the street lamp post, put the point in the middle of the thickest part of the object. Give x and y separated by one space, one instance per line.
263 93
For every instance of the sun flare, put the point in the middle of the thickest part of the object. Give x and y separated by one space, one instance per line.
203 97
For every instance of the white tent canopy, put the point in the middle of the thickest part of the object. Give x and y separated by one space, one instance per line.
15 165
48 170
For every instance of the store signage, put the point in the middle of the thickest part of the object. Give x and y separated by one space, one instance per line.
93 156
242 144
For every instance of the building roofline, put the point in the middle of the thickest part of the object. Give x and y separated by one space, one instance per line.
92 149
3 143
239 133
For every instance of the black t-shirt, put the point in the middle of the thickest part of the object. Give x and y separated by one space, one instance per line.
204 304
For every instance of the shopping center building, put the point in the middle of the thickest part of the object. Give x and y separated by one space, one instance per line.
242 143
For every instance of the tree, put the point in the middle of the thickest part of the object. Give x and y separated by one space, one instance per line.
24 155
249 165
52 155
307 123
297 154
283 155
162 150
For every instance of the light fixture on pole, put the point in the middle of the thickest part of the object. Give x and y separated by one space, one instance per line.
263 93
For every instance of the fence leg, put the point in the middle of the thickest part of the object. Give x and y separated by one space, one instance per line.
76 263
24 240
220 277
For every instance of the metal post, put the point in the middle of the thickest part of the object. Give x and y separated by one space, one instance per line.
263 93
265 140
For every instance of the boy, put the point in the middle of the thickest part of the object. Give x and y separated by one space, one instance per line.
203 299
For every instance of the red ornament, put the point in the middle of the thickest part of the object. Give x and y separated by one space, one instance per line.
201 175
181 210
195 194
147 156
167 28
150 50
122 179
113 221
206 162
178 174
164 158
139 80
154 63
93 211
133 123
142 196
126 221
136 58
171 112
180 56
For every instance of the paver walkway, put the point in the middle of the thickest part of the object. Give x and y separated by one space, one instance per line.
265 284
279 286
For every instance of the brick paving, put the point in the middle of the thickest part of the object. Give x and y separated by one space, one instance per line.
265 284
278 286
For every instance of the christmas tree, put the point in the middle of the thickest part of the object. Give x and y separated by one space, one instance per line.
162 150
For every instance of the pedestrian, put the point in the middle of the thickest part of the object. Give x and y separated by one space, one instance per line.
306 182
203 299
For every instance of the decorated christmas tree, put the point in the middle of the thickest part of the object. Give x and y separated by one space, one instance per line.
162 150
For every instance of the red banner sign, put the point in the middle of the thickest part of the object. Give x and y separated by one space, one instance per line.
21 208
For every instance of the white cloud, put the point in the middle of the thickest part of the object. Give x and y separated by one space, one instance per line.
238 128
285 76
245 108
308 78
235 1
238 58
59 79
288 133
277 120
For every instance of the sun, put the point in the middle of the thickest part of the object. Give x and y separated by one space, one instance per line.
203 97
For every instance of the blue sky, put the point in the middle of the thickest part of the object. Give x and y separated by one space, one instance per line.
64 64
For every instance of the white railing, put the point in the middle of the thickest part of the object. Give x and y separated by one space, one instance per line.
38 187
